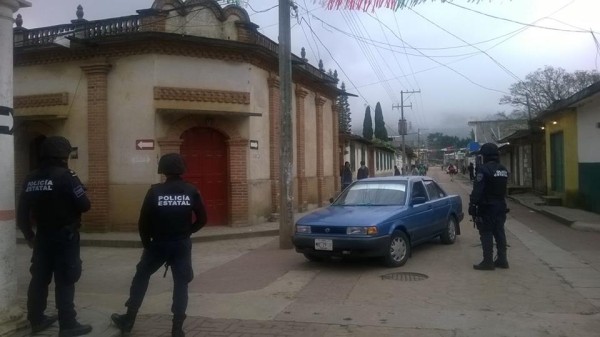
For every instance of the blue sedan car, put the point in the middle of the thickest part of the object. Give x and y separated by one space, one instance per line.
380 217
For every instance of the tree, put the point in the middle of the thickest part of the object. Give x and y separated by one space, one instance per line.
380 131
544 87
344 119
368 124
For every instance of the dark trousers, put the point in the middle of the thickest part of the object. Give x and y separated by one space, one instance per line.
491 227
178 255
54 253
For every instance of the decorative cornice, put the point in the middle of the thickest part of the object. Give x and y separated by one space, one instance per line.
201 95
320 100
300 92
36 101
273 81
100 68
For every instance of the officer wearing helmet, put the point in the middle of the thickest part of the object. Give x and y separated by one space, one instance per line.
165 227
52 198
488 207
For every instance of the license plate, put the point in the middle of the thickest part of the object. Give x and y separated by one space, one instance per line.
323 244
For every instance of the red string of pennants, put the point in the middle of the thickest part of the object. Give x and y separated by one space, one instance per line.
365 5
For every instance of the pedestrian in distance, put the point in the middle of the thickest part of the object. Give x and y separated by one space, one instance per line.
414 170
165 226
53 198
396 170
363 171
346 175
452 170
471 169
487 206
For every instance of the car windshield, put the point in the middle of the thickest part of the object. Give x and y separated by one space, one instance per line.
378 193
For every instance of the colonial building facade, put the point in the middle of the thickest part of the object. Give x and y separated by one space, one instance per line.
186 77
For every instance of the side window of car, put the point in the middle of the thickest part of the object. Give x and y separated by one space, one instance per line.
434 190
419 190
431 189
439 191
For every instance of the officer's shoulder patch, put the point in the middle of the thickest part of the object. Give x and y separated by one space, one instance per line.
78 191
479 177
73 173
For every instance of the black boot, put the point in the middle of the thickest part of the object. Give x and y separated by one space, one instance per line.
501 261
487 245
43 323
124 322
74 329
484 265
177 330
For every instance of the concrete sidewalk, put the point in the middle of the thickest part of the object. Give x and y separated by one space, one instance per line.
578 219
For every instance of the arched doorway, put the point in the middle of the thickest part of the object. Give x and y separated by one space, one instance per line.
205 153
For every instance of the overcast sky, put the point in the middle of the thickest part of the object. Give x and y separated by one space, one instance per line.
462 56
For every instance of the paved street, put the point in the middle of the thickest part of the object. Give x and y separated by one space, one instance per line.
249 287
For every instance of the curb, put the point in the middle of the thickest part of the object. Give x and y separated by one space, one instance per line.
115 243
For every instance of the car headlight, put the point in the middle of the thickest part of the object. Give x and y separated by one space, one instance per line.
303 229
361 230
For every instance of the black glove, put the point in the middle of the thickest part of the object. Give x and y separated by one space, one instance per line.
473 210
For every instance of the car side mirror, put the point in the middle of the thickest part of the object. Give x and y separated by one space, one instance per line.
331 200
418 200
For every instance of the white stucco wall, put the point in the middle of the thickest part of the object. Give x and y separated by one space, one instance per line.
588 131
59 78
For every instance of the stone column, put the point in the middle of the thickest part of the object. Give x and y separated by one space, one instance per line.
238 182
335 109
10 315
319 102
301 149
274 140
97 219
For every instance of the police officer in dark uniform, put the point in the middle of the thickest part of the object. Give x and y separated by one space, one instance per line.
488 207
165 227
53 198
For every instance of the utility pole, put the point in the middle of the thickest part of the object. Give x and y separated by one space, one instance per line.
10 314
530 122
402 129
286 218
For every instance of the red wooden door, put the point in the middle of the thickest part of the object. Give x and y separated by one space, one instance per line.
205 153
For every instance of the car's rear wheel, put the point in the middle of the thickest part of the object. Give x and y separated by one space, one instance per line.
449 235
313 257
398 251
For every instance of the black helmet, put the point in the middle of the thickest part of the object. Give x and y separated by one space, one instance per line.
171 164
55 147
489 150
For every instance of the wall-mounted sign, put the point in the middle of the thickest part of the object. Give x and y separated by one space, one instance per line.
254 144
6 120
144 144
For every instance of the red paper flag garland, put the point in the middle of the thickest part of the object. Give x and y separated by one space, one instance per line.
365 5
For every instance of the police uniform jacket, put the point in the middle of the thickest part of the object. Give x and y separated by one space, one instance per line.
52 198
490 185
171 210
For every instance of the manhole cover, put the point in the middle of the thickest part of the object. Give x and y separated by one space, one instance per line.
404 276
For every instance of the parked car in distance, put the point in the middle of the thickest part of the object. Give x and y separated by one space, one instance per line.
380 217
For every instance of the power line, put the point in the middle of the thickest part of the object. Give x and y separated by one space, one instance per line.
461 39
521 23
336 62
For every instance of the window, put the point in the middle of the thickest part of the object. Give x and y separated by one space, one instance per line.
373 193
435 192
418 190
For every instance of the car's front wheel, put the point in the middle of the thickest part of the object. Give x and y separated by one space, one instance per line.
449 235
399 250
